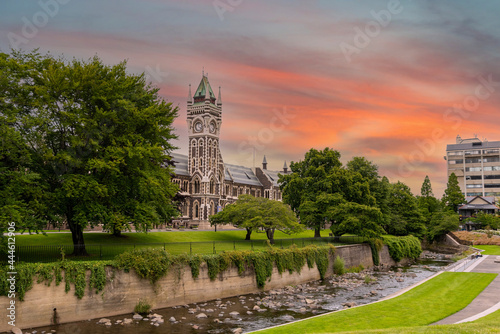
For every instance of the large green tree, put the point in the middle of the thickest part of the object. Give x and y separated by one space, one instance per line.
356 219
453 196
320 182
404 216
253 213
97 137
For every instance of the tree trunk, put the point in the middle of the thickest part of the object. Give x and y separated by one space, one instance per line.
249 231
77 235
117 233
317 231
270 235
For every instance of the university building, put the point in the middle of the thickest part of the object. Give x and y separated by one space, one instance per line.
476 164
207 183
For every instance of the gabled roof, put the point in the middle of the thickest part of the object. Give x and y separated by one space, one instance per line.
235 173
485 199
243 175
272 176
484 203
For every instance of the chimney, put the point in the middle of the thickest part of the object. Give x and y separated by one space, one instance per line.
264 163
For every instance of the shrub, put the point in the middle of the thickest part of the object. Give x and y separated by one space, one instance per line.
338 266
142 307
403 247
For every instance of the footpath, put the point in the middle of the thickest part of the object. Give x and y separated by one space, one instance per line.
488 301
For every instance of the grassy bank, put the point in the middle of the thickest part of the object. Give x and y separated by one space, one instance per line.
152 237
102 246
489 324
432 301
489 249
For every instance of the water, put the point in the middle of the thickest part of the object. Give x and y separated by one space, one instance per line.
276 306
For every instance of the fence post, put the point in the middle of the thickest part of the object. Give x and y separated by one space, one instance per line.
100 251
302 242
164 246
281 243
252 244
234 245
214 248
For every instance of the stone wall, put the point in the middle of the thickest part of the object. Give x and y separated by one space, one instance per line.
124 290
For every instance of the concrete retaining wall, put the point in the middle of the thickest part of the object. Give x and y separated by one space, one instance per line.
124 290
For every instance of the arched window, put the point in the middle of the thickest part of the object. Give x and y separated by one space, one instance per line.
266 193
201 142
196 212
212 186
196 186
212 208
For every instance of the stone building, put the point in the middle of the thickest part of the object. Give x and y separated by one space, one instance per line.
207 183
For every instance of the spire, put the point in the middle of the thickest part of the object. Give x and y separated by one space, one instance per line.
190 97
207 88
219 99
285 168
264 163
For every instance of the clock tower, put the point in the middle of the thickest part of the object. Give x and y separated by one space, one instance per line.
205 165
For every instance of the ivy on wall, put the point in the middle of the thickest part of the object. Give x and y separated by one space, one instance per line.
154 264
403 247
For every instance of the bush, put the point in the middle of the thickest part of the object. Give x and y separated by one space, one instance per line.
142 307
148 263
403 247
338 266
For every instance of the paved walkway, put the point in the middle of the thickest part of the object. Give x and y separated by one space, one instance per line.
487 301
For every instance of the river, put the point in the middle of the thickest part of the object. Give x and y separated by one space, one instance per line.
256 311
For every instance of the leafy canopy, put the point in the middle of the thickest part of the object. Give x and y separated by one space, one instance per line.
253 213
96 138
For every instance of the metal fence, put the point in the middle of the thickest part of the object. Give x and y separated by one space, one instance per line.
51 253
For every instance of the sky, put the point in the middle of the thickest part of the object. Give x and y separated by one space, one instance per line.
393 81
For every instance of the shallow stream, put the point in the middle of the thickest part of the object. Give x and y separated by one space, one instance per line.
256 311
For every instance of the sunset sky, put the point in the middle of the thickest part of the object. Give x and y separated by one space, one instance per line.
391 81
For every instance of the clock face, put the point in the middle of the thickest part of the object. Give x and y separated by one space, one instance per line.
212 127
198 126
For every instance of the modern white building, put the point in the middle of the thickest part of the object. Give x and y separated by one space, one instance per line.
476 163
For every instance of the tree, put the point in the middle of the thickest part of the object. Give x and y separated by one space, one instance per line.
441 223
356 219
487 219
404 216
97 137
427 203
253 213
453 196
20 190
426 190
318 183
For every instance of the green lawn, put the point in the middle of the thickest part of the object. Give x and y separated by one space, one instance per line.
430 302
489 249
41 248
489 324
152 237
